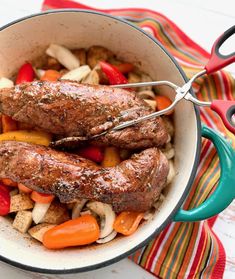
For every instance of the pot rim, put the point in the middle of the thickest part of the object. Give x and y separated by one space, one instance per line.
187 187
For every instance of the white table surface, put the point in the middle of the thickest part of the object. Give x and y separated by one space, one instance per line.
203 21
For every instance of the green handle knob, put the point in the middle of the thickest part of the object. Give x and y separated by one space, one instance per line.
225 191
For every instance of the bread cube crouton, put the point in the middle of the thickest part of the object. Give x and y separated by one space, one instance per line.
96 54
38 231
20 202
56 214
22 221
81 55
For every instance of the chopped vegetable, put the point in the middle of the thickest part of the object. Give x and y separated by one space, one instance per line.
9 182
77 74
145 78
151 103
107 216
77 208
127 222
133 78
39 211
81 231
125 67
93 153
4 202
25 74
64 56
111 157
39 73
92 78
38 231
8 124
80 54
56 214
24 189
147 94
22 221
53 64
171 173
14 192
113 74
21 202
163 102
51 75
108 238
6 83
42 198
96 54
36 137
5 188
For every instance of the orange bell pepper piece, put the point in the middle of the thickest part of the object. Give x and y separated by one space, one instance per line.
80 231
127 222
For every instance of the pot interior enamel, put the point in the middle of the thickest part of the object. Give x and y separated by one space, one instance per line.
27 39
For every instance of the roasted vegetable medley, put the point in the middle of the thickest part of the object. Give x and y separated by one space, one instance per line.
59 225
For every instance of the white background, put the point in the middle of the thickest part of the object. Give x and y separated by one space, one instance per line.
203 21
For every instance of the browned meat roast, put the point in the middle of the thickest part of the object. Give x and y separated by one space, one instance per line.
70 109
132 185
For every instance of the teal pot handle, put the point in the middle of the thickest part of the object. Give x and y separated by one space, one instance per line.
225 191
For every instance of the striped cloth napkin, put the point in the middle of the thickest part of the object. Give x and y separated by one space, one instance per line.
183 250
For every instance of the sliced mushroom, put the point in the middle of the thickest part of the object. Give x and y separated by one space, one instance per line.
77 208
108 238
106 214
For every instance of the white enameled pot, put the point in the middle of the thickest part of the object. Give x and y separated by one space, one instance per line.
26 39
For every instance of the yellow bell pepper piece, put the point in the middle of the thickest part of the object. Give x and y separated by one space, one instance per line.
36 137
111 157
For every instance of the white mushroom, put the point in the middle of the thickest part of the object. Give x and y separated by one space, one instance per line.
64 56
77 208
108 238
106 214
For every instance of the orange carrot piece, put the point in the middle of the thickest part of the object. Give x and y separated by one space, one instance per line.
9 182
42 198
51 75
24 189
163 102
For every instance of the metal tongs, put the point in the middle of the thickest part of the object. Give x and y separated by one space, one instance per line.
225 109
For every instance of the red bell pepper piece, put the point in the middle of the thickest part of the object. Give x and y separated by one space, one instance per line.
93 153
4 202
25 74
5 188
125 68
113 74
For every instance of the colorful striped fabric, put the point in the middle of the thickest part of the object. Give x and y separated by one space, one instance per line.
183 250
